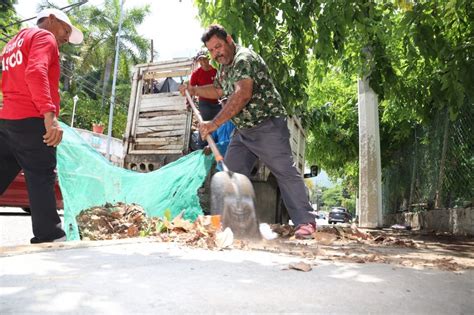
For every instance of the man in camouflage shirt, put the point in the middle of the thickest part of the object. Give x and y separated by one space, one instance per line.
255 107
265 101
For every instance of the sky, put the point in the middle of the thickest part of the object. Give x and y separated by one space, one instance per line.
172 24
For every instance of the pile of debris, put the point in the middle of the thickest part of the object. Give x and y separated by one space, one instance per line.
120 221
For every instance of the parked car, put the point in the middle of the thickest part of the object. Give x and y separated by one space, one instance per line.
339 214
16 194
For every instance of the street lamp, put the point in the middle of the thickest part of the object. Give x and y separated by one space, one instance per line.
75 99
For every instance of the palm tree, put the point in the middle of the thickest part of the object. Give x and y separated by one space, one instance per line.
98 50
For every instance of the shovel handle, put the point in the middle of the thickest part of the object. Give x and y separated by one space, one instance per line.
210 141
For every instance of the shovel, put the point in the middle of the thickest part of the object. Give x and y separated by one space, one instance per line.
232 194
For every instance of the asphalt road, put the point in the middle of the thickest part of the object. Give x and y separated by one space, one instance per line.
15 226
141 276
145 277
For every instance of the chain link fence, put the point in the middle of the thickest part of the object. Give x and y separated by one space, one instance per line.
435 169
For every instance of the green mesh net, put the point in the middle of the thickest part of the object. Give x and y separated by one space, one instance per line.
87 179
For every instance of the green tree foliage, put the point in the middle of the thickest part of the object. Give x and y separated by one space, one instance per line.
337 196
417 55
88 112
332 197
331 119
8 22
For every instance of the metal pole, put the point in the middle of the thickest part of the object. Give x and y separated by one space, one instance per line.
112 97
75 99
151 52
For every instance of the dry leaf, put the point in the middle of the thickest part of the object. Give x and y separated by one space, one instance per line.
359 234
282 229
225 238
132 231
180 223
300 266
324 238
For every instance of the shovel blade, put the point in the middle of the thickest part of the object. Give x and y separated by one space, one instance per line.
233 197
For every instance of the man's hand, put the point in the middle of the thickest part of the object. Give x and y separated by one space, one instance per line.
54 133
191 89
206 128
182 89
207 150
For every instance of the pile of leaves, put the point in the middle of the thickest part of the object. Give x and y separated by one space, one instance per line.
119 221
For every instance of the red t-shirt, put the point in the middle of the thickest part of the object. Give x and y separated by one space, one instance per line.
30 77
201 77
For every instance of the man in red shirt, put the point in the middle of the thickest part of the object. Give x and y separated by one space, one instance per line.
208 108
29 129
205 75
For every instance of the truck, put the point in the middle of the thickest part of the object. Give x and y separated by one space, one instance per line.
159 128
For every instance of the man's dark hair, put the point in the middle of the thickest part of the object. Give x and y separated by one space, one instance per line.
41 20
214 30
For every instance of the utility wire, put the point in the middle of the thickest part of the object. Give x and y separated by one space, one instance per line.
90 89
91 81
71 6
91 85
87 84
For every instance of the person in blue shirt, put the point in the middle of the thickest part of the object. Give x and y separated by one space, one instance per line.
222 137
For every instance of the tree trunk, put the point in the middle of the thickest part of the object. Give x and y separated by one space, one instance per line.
108 69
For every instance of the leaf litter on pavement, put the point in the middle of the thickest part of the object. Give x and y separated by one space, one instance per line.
346 243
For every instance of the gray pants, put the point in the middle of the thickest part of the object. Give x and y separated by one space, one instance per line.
269 142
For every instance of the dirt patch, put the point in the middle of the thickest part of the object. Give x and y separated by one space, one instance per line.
416 249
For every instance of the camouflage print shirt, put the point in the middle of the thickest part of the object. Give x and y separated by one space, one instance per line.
265 102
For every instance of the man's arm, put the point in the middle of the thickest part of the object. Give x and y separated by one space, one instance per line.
235 103
207 91
42 51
